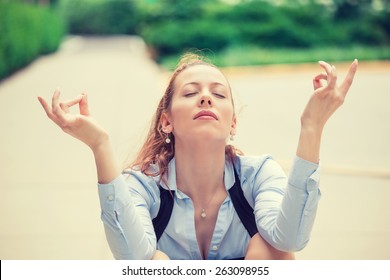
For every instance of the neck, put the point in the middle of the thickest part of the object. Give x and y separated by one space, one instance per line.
200 168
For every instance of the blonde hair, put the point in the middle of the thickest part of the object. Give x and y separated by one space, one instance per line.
155 151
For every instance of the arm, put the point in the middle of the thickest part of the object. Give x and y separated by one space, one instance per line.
126 218
285 208
259 249
124 227
285 217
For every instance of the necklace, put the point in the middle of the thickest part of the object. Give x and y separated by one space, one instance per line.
203 214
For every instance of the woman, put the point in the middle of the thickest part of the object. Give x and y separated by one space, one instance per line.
186 154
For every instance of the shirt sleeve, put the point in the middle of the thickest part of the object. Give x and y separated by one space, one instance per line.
128 227
285 209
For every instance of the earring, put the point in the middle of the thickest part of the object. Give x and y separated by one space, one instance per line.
167 140
231 137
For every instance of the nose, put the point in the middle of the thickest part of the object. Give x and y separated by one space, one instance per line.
205 101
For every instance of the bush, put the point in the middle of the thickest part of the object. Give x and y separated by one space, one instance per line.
176 37
100 17
216 25
26 32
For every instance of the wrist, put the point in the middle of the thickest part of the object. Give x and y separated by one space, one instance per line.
309 143
106 165
315 130
102 143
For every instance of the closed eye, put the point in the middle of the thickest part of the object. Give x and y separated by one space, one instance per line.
219 95
190 94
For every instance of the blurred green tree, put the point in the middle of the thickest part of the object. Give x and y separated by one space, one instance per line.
99 17
27 31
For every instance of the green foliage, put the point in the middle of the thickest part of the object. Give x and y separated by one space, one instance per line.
171 26
100 16
216 26
173 37
253 55
26 32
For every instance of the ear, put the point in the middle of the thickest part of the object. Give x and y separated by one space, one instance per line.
233 126
166 123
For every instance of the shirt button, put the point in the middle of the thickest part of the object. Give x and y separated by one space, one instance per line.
215 248
110 197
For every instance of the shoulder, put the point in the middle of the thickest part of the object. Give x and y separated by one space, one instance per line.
252 165
252 162
142 185
257 170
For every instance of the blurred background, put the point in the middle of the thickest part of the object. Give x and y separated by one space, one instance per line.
122 51
235 32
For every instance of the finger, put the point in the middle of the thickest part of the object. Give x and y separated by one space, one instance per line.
45 106
84 108
55 100
69 103
326 66
344 87
55 107
333 78
48 110
317 80
331 71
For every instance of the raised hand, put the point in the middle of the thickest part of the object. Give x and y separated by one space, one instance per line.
322 104
81 126
327 97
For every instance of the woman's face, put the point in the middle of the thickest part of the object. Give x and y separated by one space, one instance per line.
201 106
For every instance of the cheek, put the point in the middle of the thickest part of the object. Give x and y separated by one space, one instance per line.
228 113
179 112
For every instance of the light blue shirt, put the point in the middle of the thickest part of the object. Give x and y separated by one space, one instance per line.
284 209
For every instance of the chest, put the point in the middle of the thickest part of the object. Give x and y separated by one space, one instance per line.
221 235
205 222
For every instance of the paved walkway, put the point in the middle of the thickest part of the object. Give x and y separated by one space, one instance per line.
50 208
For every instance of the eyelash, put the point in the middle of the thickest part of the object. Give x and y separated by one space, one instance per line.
193 93
219 95
190 94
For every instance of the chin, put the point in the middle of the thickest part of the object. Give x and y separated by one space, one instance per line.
208 137
202 134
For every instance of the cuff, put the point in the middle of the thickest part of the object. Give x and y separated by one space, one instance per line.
114 195
304 174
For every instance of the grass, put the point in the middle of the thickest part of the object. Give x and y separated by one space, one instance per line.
249 56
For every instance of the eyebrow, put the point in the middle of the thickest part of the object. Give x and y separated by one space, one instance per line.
196 83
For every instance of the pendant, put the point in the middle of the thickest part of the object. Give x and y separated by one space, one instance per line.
203 214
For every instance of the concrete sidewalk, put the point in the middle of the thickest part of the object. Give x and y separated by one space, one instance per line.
50 207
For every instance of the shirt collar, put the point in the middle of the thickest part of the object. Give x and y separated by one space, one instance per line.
171 176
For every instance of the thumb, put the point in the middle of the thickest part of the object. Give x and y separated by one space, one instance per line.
84 109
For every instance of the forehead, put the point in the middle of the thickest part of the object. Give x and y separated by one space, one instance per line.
202 74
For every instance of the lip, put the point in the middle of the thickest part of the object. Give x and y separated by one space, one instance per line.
206 115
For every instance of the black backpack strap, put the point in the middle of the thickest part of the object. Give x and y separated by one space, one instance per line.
164 213
242 207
